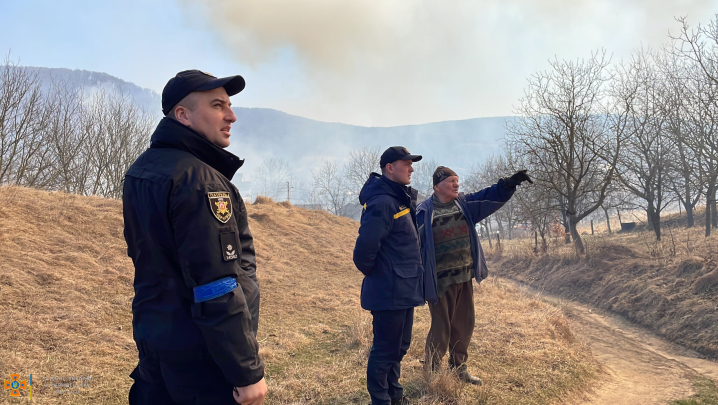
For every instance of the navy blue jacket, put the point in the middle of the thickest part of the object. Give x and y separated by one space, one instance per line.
475 207
187 234
387 249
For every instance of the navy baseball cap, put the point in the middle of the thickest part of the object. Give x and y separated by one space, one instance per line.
395 153
187 81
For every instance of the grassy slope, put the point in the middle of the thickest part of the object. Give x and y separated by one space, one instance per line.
66 291
668 286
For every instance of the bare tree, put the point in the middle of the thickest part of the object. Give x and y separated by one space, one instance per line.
685 175
271 177
422 179
361 163
700 46
312 198
702 124
33 166
485 174
567 135
116 132
536 205
20 121
643 162
64 140
331 188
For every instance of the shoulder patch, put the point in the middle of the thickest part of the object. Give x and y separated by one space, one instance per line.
401 213
221 206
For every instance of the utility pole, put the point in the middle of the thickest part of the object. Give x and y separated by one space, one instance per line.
287 191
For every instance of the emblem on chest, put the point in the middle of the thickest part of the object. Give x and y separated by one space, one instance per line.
221 206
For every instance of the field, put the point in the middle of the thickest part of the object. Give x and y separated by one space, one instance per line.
66 291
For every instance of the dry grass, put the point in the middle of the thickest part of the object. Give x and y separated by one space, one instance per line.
66 290
668 286
523 350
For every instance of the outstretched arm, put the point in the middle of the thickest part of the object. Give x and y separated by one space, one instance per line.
487 201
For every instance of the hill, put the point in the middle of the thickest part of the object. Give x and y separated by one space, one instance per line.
91 81
263 132
66 291
304 143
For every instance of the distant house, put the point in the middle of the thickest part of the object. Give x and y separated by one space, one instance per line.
353 211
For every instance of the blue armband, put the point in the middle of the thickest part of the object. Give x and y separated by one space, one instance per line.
214 289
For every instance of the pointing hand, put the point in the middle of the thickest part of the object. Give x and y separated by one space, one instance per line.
518 178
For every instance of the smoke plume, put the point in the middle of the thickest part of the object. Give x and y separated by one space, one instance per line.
394 62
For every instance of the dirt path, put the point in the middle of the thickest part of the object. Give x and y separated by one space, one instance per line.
642 368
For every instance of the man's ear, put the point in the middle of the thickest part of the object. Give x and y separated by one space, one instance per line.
390 168
182 115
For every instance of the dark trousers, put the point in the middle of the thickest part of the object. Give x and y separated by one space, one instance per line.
452 324
392 337
178 378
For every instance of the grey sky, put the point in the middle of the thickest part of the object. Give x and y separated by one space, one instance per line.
363 62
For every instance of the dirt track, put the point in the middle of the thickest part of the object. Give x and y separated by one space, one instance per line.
641 368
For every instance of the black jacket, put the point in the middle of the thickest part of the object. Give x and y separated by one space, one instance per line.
187 234
387 249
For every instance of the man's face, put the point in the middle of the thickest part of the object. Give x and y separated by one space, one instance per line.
400 171
448 189
212 116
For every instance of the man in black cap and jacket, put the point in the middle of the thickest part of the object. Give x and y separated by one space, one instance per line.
387 252
196 305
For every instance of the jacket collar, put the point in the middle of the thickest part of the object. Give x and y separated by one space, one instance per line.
172 134
403 193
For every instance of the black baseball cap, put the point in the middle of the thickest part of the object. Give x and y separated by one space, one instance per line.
395 153
187 81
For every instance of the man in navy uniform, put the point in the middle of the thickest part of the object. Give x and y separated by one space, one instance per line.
196 305
387 252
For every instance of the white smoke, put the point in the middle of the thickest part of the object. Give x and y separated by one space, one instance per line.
394 62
